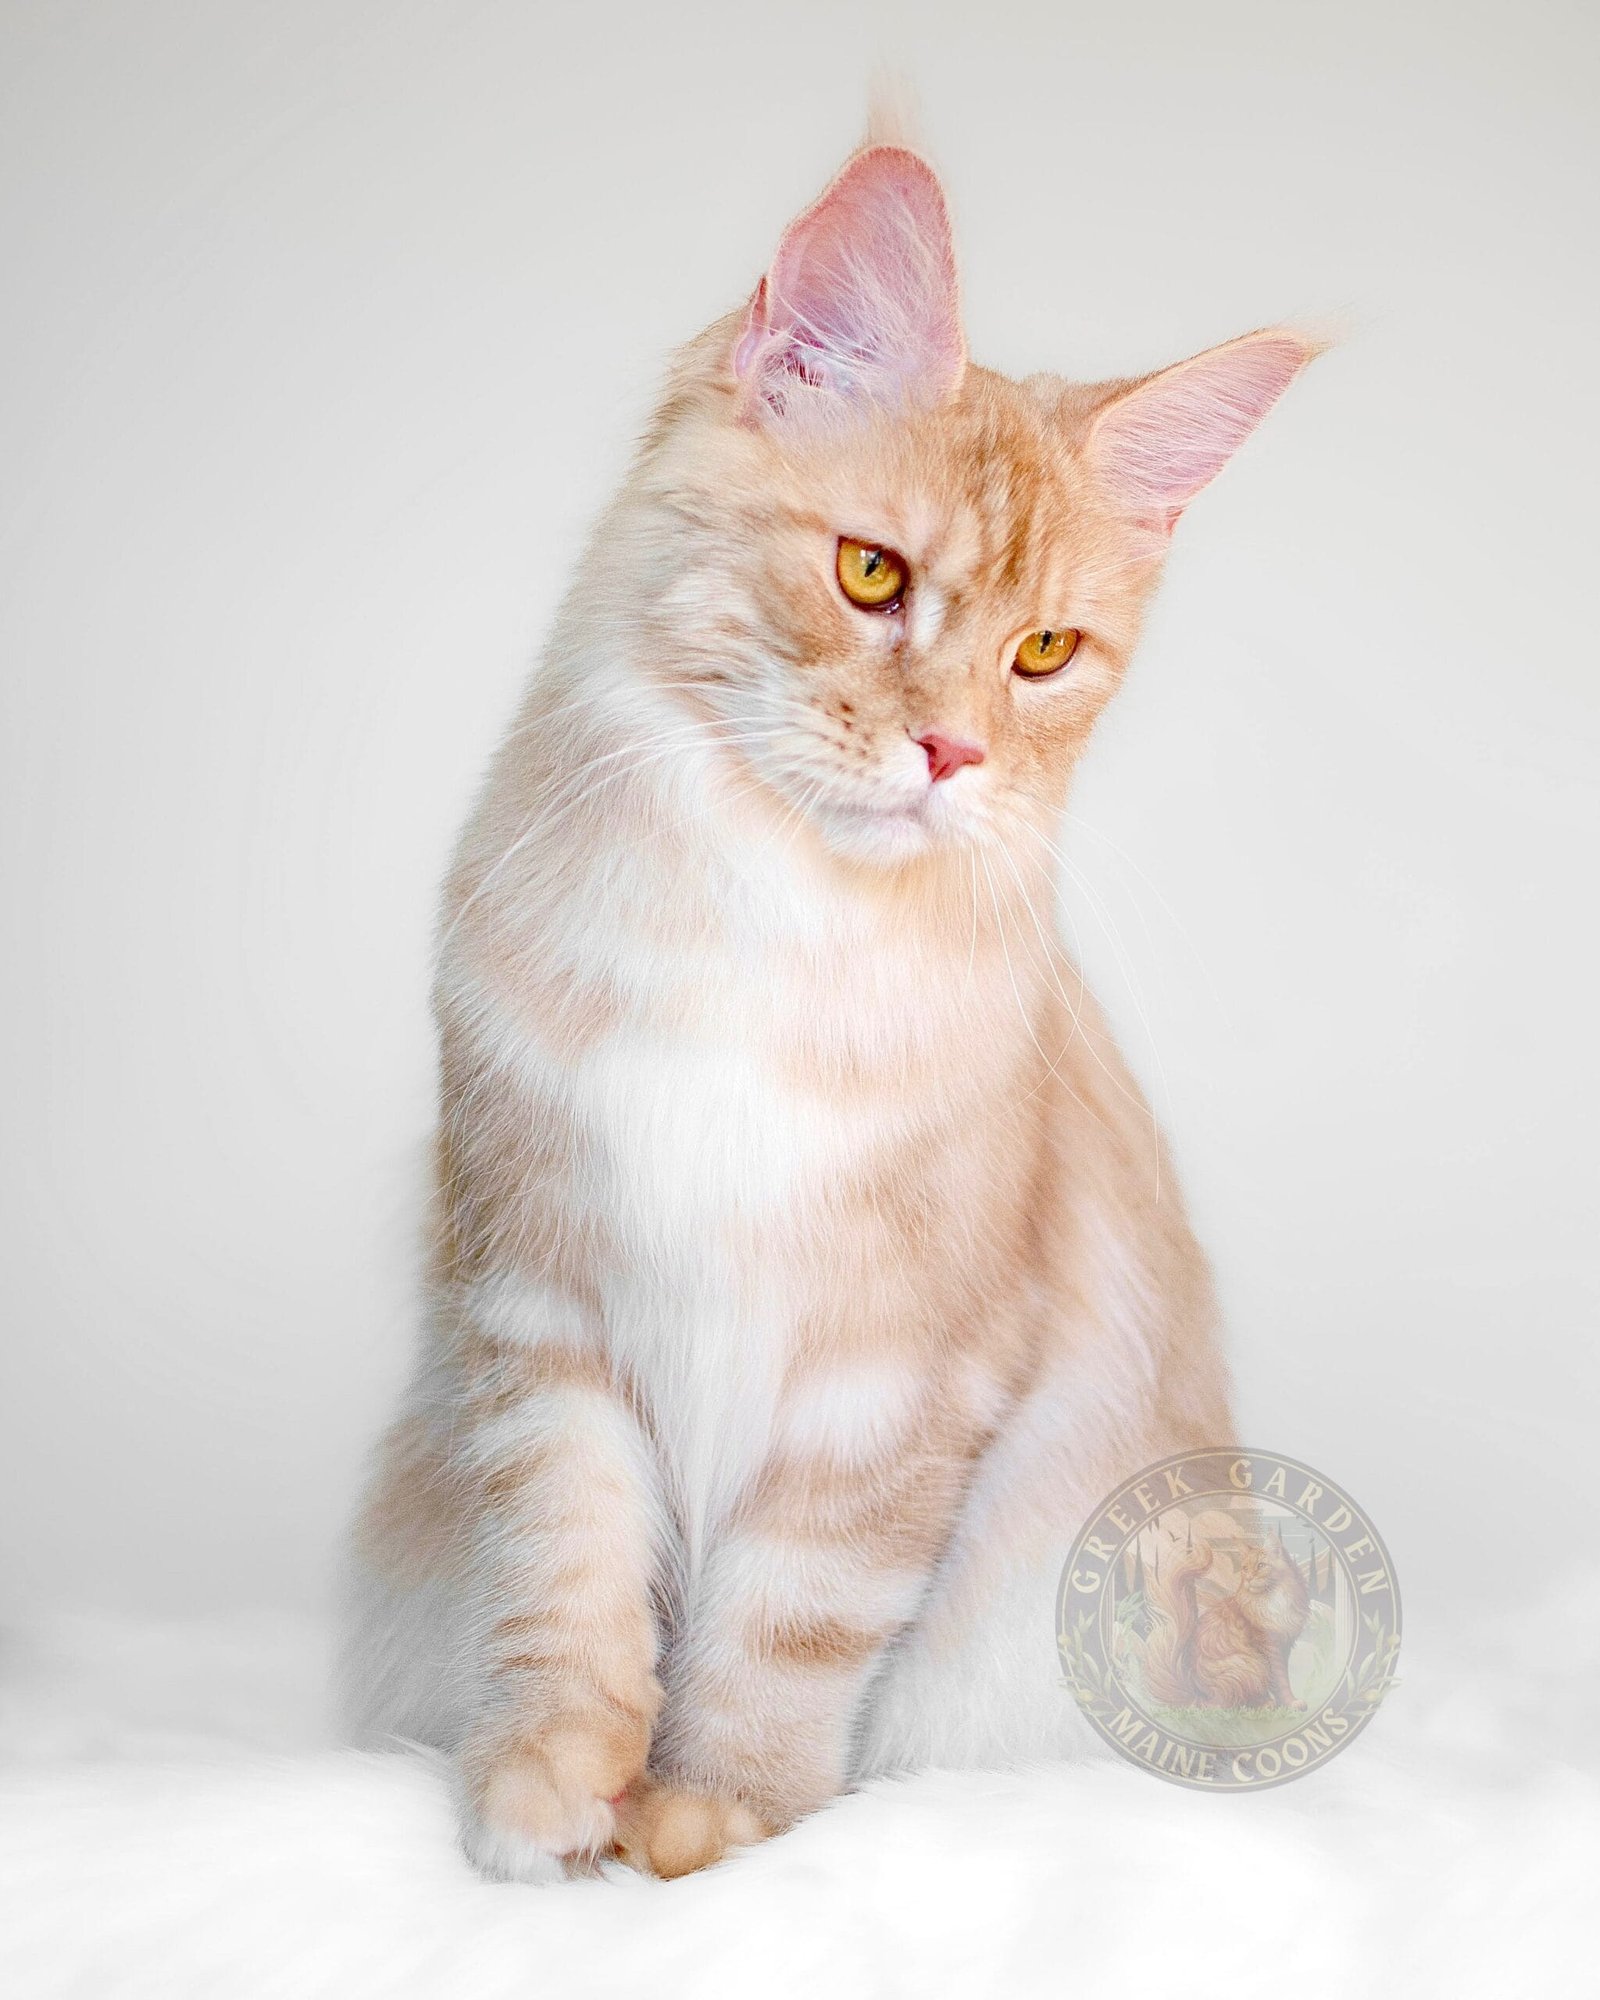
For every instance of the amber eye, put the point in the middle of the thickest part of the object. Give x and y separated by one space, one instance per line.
872 577
1043 653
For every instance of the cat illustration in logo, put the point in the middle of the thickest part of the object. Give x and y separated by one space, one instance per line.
1231 1651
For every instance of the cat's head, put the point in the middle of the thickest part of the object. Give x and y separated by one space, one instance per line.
906 586
1265 1567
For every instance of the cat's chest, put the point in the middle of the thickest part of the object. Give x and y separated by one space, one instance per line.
728 1134
761 1077
700 1128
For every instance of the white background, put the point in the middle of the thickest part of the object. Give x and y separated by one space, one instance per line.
326 329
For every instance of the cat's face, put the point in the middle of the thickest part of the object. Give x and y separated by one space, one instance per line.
909 722
1262 1569
905 586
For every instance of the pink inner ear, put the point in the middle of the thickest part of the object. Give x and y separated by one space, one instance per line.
861 299
1158 444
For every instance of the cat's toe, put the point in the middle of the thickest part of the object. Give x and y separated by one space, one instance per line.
536 1805
666 1832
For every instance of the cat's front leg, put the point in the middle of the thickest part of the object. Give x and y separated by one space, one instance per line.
561 1651
787 1622
1278 1678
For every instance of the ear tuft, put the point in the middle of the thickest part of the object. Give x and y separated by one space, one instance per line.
861 301
892 118
1158 443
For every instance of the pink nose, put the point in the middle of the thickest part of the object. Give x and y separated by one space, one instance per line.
947 754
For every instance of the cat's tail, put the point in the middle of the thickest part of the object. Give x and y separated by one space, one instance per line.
1167 1662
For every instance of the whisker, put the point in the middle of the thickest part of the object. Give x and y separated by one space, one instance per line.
972 948
1076 1014
568 799
1054 1069
1124 967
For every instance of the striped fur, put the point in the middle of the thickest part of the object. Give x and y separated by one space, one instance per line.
804 1266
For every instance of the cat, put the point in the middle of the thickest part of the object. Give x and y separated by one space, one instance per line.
1233 1652
805 1265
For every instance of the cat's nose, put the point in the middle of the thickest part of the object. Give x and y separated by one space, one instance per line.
947 754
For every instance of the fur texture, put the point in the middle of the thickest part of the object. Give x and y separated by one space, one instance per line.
805 1267
174 1823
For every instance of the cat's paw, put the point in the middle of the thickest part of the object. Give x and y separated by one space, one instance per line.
667 1832
537 1803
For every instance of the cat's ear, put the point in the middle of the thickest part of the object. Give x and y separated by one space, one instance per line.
1157 443
861 301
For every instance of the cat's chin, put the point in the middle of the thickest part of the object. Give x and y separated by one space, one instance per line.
881 837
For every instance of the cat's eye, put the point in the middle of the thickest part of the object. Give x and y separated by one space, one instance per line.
873 577
1044 653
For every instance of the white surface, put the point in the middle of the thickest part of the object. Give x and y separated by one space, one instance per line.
173 1824
327 326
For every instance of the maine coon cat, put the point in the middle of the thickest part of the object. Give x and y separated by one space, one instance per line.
1232 1652
805 1269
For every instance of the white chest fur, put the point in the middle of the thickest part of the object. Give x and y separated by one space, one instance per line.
710 1128
710 1164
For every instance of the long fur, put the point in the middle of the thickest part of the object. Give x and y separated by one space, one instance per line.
805 1265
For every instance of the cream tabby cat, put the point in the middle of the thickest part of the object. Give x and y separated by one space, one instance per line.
805 1270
